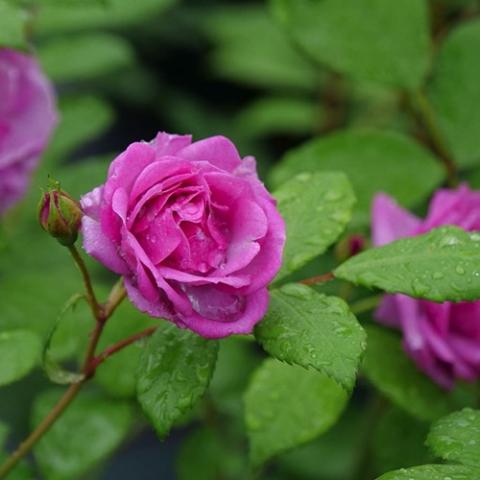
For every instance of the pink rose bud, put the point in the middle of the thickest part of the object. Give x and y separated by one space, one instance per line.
60 215
27 118
442 338
193 231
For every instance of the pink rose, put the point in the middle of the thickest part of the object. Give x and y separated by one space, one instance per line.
442 338
27 118
193 231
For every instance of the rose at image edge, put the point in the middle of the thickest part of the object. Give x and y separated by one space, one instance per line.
192 229
27 118
442 338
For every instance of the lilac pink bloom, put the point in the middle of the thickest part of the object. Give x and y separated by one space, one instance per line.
442 338
193 231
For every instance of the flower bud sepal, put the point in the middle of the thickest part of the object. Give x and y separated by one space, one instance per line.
60 215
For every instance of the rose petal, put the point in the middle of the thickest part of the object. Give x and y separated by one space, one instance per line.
256 305
190 278
34 116
387 312
218 151
389 221
265 265
168 144
99 246
159 308
127 166
91 201
459 207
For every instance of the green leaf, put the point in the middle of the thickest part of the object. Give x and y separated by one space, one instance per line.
250 48
373 160
433 472
399 441
456 437
118 373
307 328
376 40
441 265
390 370
280 115
316 208
286 406
13 26
64 17
85 57
455 92
90 429
174 372
19 354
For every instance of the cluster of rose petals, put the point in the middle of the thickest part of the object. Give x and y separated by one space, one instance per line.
193 231
442 338
27 118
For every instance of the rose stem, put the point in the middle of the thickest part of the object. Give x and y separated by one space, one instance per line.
365 304
326 277
426 117
66 399
101 314
92 299
41 429
116 347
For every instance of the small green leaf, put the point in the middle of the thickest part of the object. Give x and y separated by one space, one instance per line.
286 406
454 92
377 40
441 265
19 354
433 472
316 208
456 437
89 430
13 22
373 160
306 328
174 372
85 57
388 367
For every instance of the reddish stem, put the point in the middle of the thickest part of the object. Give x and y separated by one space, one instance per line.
116 347
326 277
